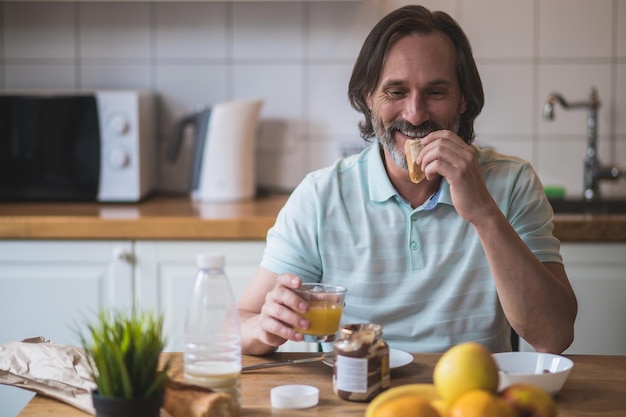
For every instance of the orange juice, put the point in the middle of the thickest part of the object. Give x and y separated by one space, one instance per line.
324 317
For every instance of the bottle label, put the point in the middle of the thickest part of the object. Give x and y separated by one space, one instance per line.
351 374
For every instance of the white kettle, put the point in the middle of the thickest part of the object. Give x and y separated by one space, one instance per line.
224 167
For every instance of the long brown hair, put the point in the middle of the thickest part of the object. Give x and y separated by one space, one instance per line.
406 21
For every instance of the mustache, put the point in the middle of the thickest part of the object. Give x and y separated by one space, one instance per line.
420 131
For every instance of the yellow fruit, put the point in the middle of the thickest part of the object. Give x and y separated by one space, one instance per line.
426 392
407 406
465 367
480 403
440 405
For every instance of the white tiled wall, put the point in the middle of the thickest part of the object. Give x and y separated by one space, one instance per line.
298 57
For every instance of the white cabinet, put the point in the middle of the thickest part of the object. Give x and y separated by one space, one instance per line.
54 284
46 287
598 275
597 272
165 273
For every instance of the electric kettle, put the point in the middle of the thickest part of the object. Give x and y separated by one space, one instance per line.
224 159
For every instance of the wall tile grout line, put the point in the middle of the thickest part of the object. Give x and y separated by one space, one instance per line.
298 57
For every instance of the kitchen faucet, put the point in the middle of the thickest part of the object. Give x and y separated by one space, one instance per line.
593 171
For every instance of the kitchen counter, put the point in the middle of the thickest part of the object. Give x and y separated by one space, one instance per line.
155 218
179 218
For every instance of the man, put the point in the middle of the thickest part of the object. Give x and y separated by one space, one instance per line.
464 255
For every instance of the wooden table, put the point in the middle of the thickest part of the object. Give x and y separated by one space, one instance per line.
596 387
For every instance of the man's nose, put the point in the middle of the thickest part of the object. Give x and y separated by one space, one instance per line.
415 110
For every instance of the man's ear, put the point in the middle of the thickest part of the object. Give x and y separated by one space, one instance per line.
368 101
463 104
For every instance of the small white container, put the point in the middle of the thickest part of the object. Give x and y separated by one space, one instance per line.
294 396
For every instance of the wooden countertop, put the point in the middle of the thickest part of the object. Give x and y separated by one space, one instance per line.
590 228
178 218
156 218
595 387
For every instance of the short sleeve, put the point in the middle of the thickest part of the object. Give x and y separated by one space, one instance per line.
292 243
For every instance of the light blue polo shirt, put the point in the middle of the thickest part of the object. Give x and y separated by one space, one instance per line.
421 273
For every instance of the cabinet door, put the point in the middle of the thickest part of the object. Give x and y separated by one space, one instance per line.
598 275
49 287
597 272
165 272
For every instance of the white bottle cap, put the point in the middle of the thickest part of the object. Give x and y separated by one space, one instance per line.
294 396
210 260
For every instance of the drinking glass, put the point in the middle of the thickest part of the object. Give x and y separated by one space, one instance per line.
326 303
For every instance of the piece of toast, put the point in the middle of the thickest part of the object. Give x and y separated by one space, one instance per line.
187 400
412 148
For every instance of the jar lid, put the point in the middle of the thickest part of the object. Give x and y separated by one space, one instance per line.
294 396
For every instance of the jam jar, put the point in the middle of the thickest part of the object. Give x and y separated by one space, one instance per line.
361 364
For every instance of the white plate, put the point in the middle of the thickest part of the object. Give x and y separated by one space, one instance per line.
397 358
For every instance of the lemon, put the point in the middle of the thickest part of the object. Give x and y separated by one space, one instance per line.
465 367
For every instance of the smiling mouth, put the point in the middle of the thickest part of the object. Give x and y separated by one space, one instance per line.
413 134
412 131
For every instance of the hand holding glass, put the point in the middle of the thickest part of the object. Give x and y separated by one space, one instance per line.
325 308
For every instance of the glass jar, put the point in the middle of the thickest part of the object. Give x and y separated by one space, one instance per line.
361 364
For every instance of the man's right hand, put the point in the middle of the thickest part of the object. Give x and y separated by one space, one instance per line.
268 312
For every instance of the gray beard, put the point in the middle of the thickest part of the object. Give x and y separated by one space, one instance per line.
385 135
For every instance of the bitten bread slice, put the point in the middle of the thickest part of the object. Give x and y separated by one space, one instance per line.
412 148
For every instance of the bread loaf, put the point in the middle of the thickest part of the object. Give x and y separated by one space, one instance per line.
412 148
186 400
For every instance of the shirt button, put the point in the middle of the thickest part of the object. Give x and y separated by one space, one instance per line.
413 246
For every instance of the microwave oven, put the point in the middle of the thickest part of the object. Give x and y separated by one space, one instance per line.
77 146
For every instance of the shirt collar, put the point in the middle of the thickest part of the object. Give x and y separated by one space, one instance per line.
380 186
444 192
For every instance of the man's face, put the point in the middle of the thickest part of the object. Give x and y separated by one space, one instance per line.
418 93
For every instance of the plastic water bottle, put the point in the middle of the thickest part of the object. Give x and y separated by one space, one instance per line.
212 356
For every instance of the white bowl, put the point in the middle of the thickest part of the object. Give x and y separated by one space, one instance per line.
545 370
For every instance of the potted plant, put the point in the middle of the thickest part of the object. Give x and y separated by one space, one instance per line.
123 359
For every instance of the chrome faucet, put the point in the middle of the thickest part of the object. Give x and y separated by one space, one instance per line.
593 171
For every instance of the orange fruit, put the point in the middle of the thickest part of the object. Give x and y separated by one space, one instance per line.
465 367
480 403
406 406
440 405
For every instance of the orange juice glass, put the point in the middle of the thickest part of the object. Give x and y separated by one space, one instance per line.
326 303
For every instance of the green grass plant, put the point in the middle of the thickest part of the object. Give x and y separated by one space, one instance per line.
123 353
